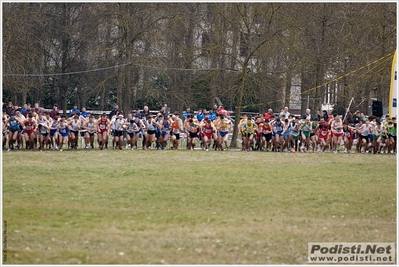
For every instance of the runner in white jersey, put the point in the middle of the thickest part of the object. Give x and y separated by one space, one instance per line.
132 131
150 126
379 131
140 126
113 129
83 129
365 131
36 132
273 121
74 127
120 124
90 126
192 128
54 135
337 132
50 122
373 123
20 118
44 130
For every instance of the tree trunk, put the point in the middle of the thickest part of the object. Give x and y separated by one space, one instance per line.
127 92
238 111
287 97
24 94
102 99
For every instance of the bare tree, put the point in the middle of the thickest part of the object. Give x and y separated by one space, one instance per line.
183 54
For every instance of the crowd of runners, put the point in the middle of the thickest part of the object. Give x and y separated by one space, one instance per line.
34 128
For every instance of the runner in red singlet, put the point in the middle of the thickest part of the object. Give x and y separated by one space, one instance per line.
103 131
29 127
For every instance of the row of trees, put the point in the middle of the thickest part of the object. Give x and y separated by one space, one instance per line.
250 55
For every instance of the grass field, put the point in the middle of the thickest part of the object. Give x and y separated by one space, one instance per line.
189 207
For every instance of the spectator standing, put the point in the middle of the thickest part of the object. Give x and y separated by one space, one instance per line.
268 114
113 111
10 109
84 113
145 112
200 115
37 109
307 114
167 113
136 112
24 108
54 112
284 112
186 113
221 111
212 114
356 117
74 111
323 115
348 116
27 111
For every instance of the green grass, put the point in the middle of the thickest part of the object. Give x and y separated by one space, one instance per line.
188 207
